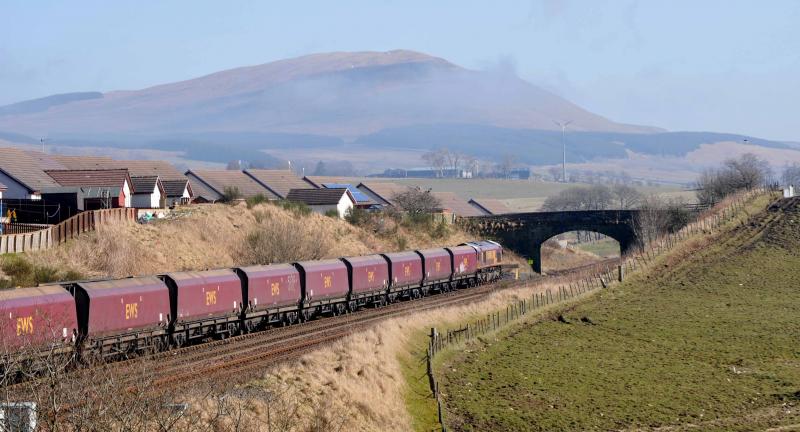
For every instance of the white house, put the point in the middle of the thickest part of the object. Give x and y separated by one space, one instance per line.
148 192
178 191
324 200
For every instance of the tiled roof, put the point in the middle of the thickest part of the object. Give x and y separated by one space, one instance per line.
317 196
201 190
144 184
84 162
107 177
280 182
383 191
458 205
174 188
317 181
218 180
491 206
26 168
140 168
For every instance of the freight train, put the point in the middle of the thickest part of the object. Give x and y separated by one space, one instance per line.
115 318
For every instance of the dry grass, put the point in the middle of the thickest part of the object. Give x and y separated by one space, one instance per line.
362 376
216 236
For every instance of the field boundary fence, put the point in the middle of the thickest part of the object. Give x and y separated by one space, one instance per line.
48 236
573 286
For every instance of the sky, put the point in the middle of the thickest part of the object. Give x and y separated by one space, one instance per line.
723 66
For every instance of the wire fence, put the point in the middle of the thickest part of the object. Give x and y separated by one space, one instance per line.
572 287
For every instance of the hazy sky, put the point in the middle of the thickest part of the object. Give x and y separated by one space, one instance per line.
730 66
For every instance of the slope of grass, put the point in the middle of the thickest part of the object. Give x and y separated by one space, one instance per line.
707 342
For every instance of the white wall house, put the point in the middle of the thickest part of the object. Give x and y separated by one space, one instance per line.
324 200
148 192
177 192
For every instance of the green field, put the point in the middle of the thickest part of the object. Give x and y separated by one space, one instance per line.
605 248
707 341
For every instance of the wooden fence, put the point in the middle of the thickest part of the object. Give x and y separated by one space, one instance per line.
576 285
66 230
21 228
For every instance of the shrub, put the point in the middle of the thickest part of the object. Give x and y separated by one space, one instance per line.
357 216
298 208
332 213
284 240
256 200
25 274
402 243
231 194
45 274
440 230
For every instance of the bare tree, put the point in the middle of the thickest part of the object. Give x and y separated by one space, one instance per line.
416 201
470 165
745 172
791 175
454 159
436 159
598 197
626 197
505 165
658 216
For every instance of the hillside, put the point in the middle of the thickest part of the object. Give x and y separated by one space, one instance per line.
343 94
706 340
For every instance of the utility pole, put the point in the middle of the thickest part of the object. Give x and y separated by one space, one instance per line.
42 140
563 148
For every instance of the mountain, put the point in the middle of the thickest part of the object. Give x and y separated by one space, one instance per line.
344 95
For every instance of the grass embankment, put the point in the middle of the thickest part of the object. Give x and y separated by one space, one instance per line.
217 236
706 340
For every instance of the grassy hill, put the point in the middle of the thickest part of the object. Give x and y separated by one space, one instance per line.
708 341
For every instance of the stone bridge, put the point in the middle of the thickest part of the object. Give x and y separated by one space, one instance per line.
524 233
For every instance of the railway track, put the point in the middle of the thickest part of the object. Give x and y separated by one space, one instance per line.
233 360
241 358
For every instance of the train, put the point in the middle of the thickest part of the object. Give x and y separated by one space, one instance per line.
114 318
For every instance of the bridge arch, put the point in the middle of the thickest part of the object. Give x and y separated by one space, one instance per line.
525 233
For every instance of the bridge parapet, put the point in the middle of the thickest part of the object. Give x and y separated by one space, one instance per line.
524 233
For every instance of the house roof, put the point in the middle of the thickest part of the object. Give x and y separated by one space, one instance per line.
136 168
491 206
139 168
383 191
100 177
201 190
175 188
27 168
317 181
279 182
318 196
360 197
217 180
458 205
145 184
84 162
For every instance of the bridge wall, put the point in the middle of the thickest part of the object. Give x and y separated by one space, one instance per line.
524 233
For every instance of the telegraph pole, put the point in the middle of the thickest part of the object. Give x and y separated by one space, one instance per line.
563 127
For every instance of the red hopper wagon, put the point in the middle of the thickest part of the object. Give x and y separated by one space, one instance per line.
206 303
121 316
273 294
